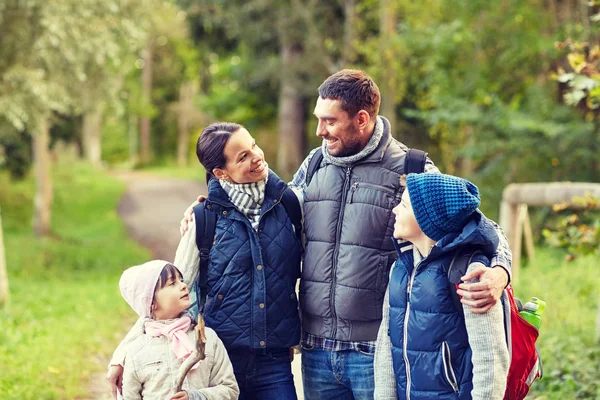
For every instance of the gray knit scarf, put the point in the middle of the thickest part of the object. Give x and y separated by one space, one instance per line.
369 148
247 198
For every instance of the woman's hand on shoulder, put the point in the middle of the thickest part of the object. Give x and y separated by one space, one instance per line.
188 215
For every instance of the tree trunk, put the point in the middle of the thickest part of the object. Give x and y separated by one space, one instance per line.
4 293
388 89
291 117
349 55
185 110
43 184
92 134
145 151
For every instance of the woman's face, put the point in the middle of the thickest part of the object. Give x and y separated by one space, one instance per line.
245 160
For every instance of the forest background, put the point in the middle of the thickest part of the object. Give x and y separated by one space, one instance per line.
497 91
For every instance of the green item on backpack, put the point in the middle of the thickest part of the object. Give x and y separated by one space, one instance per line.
532 311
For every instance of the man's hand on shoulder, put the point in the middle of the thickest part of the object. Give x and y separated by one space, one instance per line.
487 289
188 215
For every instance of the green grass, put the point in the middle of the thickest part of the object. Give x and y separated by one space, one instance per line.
66 314
570 353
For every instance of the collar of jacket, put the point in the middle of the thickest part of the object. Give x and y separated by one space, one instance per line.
386 139
274 191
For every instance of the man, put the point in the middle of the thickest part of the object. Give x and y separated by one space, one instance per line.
348 225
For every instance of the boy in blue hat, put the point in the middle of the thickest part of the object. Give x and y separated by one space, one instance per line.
426 348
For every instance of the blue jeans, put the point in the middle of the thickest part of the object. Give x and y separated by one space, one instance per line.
337 375
263 374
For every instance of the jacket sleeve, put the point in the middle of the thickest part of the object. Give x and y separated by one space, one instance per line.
385 380
489 351
132 387
503 255
187 256
118 357
222 384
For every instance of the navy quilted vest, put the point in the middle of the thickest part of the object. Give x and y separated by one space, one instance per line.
430 348
252 275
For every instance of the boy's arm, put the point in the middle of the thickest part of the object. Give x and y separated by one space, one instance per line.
132 387
385 380
187 256
118 357
489 351
222 383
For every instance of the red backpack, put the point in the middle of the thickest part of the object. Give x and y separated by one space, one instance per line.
525 361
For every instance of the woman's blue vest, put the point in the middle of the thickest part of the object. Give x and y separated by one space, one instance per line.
430 348
252 274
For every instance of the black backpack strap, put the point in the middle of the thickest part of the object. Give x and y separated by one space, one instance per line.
414 161
313 165
290 202
457 269
206 223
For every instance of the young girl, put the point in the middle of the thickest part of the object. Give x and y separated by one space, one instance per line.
425 348
253 268
156 291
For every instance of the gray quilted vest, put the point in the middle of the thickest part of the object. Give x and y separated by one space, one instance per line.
348 223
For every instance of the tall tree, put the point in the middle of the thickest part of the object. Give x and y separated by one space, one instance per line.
390 73
45 51
146 84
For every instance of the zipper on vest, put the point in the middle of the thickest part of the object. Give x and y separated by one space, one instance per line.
336 250
448 369
352 190
405 328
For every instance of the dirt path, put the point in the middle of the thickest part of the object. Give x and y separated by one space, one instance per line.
151 209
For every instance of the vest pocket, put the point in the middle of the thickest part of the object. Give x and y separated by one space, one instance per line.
448 369
219 296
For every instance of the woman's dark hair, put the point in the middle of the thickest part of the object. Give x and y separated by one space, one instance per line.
210 148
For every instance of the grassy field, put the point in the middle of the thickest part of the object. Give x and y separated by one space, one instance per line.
67 314
570 353
66 311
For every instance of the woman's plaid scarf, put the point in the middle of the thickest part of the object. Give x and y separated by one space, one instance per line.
247 198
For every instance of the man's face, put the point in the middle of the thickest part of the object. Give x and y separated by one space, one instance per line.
339 130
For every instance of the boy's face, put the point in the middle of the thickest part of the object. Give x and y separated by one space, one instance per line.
171 299
406 226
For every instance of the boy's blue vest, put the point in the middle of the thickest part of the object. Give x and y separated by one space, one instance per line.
251 302
430 348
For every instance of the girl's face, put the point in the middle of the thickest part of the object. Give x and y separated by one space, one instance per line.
406 226
172 299
245 160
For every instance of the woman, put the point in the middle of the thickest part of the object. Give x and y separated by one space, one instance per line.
253 268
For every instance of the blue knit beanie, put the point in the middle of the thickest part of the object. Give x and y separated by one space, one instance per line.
442 203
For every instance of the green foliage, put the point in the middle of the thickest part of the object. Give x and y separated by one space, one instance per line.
570 354
577 231
66 310
238 92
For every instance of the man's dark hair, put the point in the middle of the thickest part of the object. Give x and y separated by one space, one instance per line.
210 148
354 89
